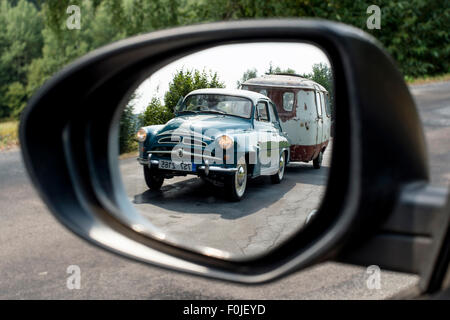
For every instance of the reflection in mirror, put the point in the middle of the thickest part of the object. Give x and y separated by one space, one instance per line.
233 146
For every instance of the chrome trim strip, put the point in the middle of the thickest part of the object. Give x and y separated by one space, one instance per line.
304 87
195 141
185 133
159 151
211 168
186 153
169 140
218 169
142 161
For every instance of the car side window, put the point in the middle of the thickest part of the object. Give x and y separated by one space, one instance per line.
288 101
261 108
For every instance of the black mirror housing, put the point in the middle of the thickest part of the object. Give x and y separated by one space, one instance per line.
364 193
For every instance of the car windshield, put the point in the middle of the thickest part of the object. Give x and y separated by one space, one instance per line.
217 103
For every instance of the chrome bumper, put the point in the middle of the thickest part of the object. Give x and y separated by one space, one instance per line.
187 153
217 169
206 168
144 162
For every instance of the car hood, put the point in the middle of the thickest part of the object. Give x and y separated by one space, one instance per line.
202 123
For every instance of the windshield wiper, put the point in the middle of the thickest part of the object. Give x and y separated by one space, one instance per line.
214 111
187 111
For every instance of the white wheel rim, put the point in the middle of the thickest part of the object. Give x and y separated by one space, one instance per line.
281 167
240 177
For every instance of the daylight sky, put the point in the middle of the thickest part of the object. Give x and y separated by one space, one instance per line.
230 62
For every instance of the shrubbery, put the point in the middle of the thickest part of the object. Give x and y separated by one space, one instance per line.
183 82
155 113
35 41
127 129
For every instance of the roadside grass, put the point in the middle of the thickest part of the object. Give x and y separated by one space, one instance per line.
9 134
130 154
427 79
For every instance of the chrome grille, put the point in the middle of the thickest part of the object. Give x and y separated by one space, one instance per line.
187 141
170 139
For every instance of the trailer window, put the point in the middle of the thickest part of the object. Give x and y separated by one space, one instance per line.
322 100
327 106
264 92
319 104
288 101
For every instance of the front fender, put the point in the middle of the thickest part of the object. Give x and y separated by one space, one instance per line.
152 131
247 144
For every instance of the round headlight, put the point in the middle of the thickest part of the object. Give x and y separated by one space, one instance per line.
141 135
225 142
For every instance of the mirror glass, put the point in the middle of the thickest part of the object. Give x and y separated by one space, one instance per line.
227 151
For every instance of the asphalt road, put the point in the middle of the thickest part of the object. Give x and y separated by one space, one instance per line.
35 250
194 213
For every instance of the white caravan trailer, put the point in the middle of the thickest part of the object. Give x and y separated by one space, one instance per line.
304 110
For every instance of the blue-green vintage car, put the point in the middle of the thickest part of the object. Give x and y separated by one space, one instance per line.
224 136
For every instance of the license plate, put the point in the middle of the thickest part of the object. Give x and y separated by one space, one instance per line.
177 166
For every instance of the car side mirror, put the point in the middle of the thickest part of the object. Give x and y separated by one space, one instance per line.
378 207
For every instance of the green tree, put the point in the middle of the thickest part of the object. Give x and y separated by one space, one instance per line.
15 98
185 81
248 74
60 45
415 32
275 70
155 113
323 75
20 42
253 73
35 41
127 129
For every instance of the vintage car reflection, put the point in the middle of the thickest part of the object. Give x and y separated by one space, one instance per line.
224 136
305 113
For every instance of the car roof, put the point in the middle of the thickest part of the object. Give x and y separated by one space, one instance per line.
254 96
285 81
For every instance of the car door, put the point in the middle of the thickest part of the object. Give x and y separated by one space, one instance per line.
327 119
275 121
319 119
276 131
263 127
